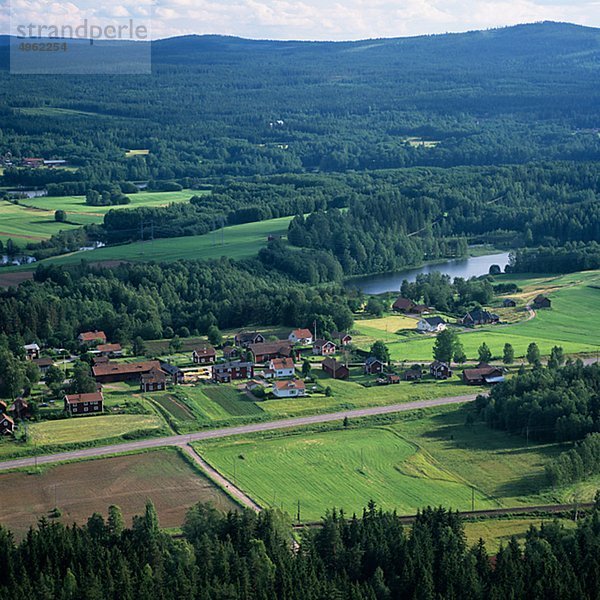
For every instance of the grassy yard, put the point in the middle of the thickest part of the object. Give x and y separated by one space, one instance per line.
33 219
79 489
89 429
434 459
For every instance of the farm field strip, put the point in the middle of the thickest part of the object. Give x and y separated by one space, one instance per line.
88 429
238 241
433 459
81 488
33 218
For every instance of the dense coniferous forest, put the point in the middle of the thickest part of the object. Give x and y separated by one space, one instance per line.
225 106
245 556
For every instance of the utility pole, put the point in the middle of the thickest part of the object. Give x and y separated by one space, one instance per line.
472 499
298 514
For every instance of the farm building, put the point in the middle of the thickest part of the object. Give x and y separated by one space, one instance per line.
92 337
153 381
113 372
374 365
420 309
175 373
84 404
280 367
99 360
246 338
111 350
479 317
289 389
230 352
431 325
440 370
335 369
7 425
509 303
301 336
31 351
483 374
225 372
413 375
341 338
542 301
43 363
265 351
204 356
403 305
392 378
324 348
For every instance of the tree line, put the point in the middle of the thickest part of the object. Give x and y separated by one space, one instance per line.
246 556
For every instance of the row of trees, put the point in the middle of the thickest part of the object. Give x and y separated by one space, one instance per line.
246 556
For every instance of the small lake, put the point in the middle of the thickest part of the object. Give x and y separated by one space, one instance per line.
461 267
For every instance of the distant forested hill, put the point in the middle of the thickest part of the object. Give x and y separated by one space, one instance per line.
220 106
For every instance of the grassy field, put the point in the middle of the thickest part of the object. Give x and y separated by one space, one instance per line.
434 459
89 429
575 299
33 219
238 241
497 532
78 489
343 468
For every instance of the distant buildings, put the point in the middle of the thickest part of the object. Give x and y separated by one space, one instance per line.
289 388
226 372
84 404
335 369
479 316
113 372
373 366
32 351
324 348
301 336
92 338
483 374
542 301
204 356
154 380
431 325
440 370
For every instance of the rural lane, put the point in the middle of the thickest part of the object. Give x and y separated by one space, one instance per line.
182 440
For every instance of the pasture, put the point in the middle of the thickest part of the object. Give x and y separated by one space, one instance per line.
432 457
32 220
236 241
575 304
79 489
89 429
497 532
343 469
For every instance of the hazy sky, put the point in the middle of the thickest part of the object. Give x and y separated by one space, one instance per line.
304 19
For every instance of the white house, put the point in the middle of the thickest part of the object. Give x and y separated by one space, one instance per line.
280 367
301 336
289 389
431 325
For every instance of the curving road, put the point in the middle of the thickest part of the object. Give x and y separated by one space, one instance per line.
182 440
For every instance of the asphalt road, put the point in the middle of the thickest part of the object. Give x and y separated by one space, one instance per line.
181 440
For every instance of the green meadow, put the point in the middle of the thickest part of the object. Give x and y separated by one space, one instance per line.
575 306
237 241
431 458
33 219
